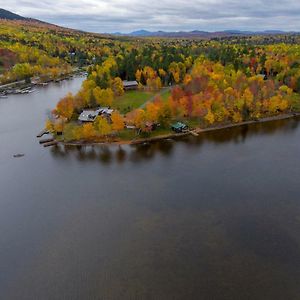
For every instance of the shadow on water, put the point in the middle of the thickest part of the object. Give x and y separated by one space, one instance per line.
109 154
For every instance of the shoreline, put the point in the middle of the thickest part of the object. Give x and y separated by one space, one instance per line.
176 135
5 88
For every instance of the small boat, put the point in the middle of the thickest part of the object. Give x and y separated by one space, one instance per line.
18 155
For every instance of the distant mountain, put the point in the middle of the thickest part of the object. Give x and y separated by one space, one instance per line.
5 14
141 32
199 34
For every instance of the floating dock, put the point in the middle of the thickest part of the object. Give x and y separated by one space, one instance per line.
44 141
49 144
194 133
43 132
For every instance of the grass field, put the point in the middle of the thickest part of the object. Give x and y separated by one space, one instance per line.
295 101
131 100
135 99
165 94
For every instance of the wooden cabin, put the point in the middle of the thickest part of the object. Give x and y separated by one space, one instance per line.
130 85
179 127
88 116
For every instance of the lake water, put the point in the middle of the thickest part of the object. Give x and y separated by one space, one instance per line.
214 217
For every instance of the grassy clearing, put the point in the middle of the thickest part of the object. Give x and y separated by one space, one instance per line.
127 135
165 95
131 100
135 99
295 102
161 131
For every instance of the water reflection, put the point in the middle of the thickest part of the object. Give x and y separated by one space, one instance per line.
264 238
119 154
213 217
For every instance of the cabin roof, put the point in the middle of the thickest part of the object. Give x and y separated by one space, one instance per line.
179 125
130 83
88 116
107 111
263 76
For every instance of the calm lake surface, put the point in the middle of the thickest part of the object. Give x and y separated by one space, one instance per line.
214 217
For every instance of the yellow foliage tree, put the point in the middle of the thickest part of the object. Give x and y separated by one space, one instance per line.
117 121
65 107
103 96
210 118
88 131
102 126
118 86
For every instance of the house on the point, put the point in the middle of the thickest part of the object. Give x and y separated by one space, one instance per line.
130 85
91 115
88 116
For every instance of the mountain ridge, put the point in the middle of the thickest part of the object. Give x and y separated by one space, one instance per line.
200 33
8 15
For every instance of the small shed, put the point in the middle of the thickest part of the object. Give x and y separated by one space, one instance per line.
179 127
130 85
151 126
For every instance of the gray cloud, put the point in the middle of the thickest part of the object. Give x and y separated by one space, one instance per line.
125 15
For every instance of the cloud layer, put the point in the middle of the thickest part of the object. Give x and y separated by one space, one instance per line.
171 15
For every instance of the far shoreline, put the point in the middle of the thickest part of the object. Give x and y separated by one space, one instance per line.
176 135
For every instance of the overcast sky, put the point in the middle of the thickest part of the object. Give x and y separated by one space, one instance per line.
171 15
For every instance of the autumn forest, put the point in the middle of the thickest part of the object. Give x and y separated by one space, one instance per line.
202 83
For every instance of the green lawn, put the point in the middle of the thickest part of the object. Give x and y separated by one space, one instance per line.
165 95
131 100
135 99
161 131
295 98
127 134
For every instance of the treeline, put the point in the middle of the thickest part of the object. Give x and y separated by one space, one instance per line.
213 93
49 51
209 94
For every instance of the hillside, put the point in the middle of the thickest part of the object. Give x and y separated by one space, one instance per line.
10 16
5 14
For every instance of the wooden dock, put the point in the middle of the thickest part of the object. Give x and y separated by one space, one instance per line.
44 141
49 144
43 132
194 133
